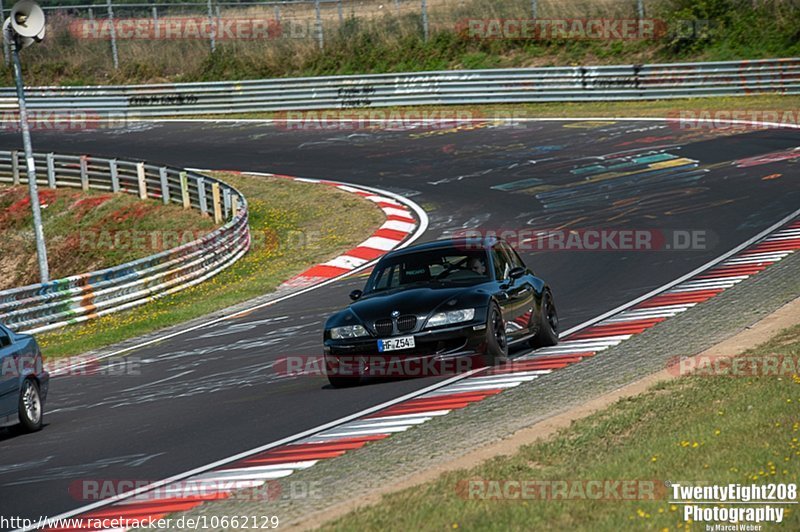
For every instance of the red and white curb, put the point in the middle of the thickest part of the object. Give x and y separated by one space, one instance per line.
404 220
259 466
400 224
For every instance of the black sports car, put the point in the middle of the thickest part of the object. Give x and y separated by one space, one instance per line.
441 302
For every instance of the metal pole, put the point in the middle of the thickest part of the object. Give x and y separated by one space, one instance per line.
213 35
6 50
156 28
320 36
425 30
341 15
113 31
534 8
38 231
640 15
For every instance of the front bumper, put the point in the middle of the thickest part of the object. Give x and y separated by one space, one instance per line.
440 351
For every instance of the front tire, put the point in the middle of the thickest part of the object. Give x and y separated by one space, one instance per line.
547 334
338 380
30 406
496 339
343 382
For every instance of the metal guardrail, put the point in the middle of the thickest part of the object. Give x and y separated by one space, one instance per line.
502 86
42 307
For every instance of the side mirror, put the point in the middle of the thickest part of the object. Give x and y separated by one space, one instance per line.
355 295
516 273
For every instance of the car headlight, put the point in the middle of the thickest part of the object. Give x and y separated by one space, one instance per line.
450 317
348 331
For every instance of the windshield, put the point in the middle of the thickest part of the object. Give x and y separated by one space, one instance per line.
446 265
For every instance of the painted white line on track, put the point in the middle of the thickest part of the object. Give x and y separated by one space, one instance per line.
378 423
220 476
418 415
302 464
360 432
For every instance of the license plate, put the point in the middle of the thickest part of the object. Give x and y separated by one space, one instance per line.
393 344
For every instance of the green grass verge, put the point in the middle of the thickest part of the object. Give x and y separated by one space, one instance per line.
294 226
717 430
761 105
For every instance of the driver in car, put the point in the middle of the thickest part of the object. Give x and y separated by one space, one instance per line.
477 265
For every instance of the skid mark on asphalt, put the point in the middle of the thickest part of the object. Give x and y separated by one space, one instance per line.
223 328
22 466
156 383
185 383
789 155
78 470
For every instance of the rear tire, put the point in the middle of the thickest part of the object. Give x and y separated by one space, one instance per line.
496 339
30 406
547 334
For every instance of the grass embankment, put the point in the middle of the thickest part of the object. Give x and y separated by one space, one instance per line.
761 108
87 231
294 226
750 108
381 36
698 429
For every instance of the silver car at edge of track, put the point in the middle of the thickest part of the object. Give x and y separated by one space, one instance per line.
23 381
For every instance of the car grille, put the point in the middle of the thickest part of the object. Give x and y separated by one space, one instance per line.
406 323
383 327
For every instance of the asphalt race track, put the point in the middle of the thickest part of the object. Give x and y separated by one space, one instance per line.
213 393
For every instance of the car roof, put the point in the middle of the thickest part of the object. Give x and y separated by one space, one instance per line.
478 242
